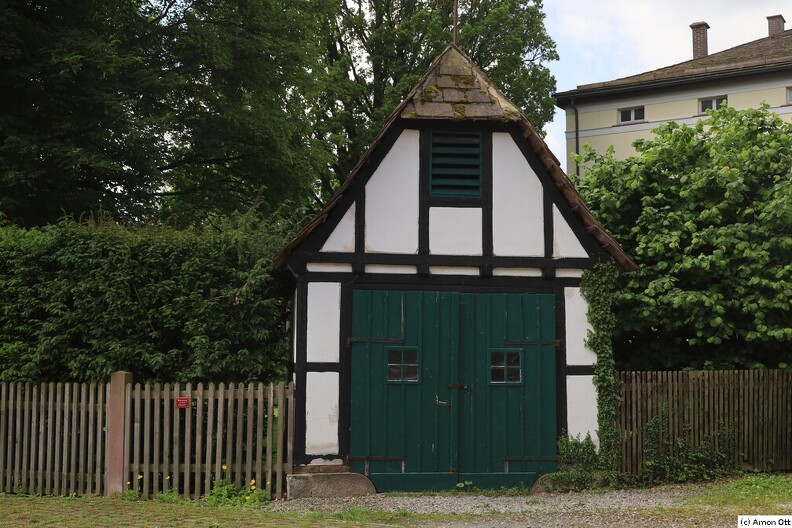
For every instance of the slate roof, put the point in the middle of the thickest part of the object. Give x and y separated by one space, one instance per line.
455 88
762 56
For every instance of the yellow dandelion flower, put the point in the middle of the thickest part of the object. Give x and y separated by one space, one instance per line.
252 481
128 483
140 477
224 467
252 487
167 477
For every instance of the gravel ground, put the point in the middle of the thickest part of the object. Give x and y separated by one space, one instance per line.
644 508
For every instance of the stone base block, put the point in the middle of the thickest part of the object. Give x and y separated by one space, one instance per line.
328 485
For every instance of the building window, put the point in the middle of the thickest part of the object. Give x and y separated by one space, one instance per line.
455 166
631 115
402 365
789 96
711 103
505 366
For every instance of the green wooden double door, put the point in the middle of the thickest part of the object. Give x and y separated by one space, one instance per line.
451 387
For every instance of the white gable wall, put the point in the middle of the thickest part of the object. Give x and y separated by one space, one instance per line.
392 199
342 239
517 202
455 231
565 243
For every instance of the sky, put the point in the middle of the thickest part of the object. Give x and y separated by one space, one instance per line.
602 40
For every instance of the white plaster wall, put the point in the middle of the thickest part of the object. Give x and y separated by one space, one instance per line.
328 267
392 199
569 273
321 413
453 270
577 327
342 239
582 407
517 211
455 231
516 272
324 321
390 268
565 243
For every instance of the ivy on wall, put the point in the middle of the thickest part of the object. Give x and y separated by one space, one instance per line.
581 465
597 287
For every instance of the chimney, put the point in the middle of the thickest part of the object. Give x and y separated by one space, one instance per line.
699 39
775 25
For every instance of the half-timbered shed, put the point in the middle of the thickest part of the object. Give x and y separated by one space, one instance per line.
439 327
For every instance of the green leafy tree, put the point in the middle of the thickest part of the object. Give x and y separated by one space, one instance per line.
155 107
376 51
706 212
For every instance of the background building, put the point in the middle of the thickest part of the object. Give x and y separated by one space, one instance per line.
616 113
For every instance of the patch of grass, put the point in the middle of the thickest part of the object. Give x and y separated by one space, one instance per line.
167 497
755 492
23 511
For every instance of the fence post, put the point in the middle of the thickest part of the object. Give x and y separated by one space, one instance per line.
116 432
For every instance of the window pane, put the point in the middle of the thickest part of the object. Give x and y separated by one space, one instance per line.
498 374
394 373
497 358
639 113
394 357
411 373
789 95
721 101
706 105
625 116
513 374
410 357
513 359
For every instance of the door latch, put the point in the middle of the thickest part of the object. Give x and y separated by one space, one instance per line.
438 401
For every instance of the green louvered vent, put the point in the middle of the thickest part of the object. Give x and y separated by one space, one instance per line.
455 164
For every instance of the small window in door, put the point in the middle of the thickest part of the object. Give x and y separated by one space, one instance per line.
402 365
505 367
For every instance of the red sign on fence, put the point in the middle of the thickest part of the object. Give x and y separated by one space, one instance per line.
182 403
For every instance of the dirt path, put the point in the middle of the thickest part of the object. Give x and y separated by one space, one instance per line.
645 508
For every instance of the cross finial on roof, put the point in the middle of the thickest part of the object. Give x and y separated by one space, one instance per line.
456 21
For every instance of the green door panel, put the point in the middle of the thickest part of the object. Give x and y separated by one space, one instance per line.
451 386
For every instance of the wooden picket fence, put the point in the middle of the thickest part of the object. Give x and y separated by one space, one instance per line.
756 403
52 438
231 432
79 438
